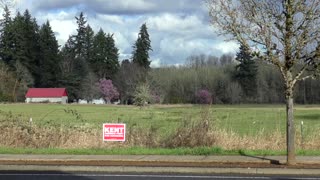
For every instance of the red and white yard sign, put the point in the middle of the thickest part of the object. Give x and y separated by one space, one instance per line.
114 132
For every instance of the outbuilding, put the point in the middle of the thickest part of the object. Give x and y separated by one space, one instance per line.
50 95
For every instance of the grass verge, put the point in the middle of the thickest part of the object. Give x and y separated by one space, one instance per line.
154 151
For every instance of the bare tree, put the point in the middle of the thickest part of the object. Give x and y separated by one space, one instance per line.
285 33
7 80
89 88
22 75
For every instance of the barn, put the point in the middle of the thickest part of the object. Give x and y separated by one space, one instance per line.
50 95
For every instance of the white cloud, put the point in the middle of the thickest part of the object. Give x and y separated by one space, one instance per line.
172 22
227 47
119 6
177 50
62 23
129 4
63 29
112 18
155 63
177 28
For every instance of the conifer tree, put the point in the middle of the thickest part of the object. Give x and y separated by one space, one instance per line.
142 47
80 38
25 46
6 37
49 61
75 56
112 62
105 62
246 72
88 44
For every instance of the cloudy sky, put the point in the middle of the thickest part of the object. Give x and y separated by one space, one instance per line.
177 28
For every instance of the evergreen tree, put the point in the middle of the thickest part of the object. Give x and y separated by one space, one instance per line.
141 48
49 61
19 49
6 37
81 65
88 44
69 50
6 18
25 47
32 47
112 62
246 72
80 38
105 62
75 55
99 59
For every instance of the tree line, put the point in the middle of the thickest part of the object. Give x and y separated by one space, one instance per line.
31 57
230 79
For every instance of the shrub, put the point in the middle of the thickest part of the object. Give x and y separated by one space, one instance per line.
193 133
142 95
203 97
5 97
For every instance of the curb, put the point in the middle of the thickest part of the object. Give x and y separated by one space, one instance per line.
182 170
157 163
140 163
160 164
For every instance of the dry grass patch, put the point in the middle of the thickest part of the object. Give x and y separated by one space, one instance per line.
184 137
17 131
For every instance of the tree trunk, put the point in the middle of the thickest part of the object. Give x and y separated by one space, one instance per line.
291 158
14 99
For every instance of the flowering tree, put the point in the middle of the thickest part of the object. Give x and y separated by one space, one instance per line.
156 97
108 90
203 97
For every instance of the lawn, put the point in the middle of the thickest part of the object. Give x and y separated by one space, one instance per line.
156 129
241 119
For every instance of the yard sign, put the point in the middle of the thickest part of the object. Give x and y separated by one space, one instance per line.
114 132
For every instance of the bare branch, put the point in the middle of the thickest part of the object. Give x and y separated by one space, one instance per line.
286 32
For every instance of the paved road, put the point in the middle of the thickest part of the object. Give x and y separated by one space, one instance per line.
101 176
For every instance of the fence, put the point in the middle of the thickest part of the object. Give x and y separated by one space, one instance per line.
230 127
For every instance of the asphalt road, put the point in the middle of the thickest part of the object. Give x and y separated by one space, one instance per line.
101 176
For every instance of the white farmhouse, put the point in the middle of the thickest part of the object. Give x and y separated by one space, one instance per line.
98 101
50 95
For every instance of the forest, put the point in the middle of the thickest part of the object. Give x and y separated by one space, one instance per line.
31 57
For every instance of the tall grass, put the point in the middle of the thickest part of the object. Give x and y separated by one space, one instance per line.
18 132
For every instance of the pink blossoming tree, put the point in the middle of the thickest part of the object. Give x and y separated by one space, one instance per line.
203 97
108 90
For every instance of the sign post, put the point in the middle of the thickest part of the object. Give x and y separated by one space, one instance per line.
114 132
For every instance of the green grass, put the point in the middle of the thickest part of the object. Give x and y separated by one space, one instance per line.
204 151
120 151
242 119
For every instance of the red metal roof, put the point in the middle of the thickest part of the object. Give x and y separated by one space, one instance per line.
46 92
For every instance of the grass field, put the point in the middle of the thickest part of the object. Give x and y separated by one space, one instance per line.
230 128
241 119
